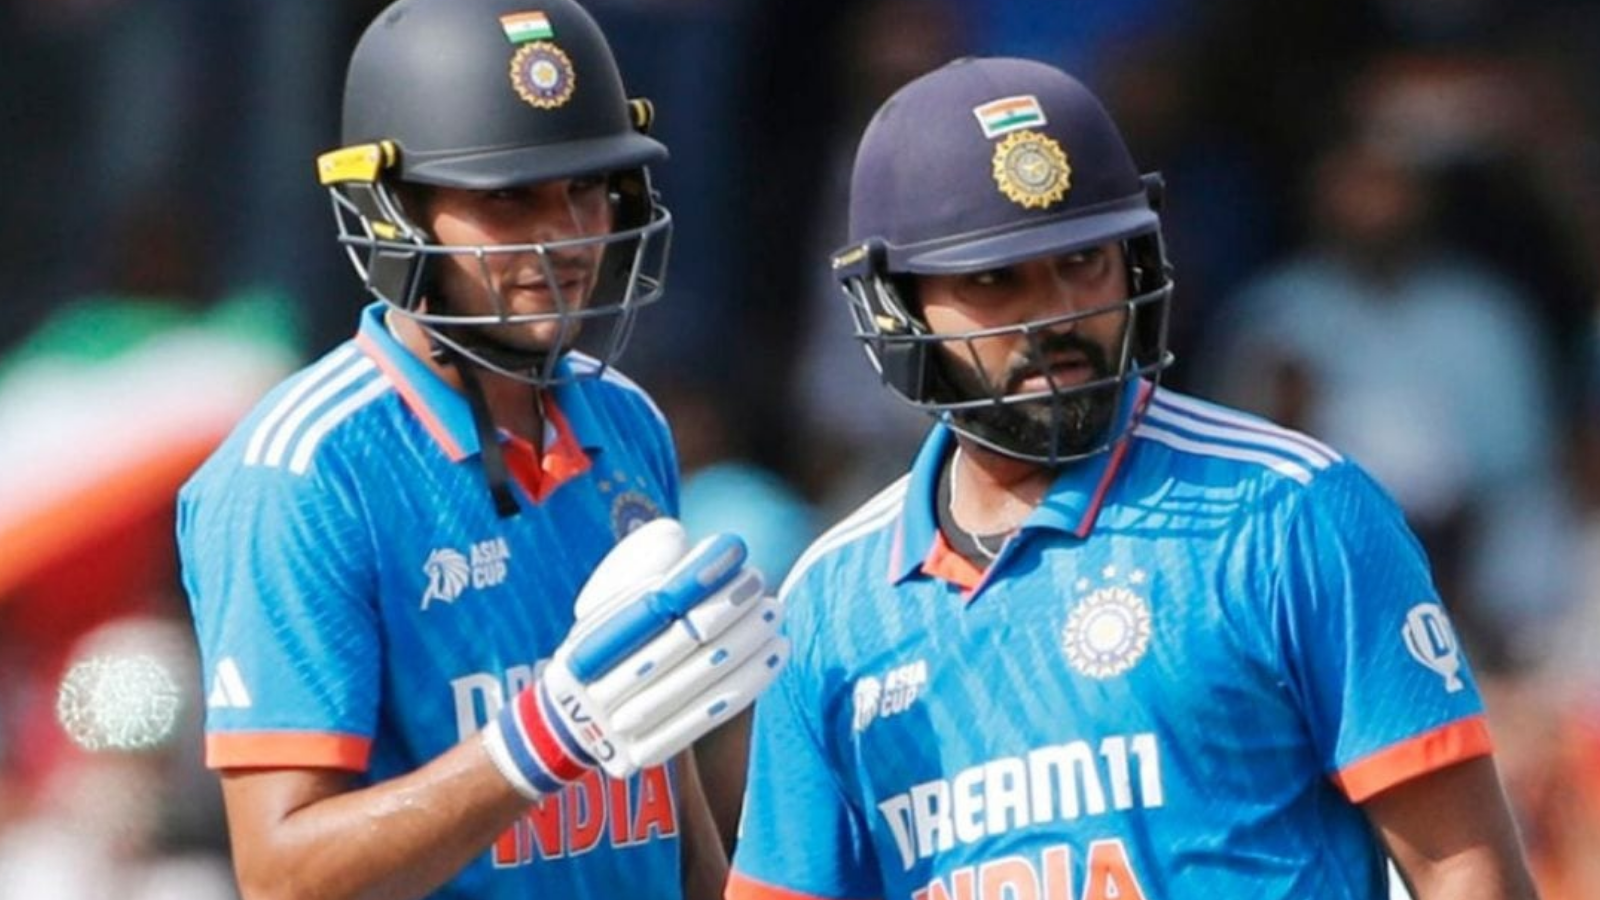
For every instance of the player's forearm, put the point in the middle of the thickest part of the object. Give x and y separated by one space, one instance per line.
705 861
722 758
392 841
1452 835
1479 875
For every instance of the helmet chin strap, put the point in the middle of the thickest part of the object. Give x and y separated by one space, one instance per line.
468 355
494 458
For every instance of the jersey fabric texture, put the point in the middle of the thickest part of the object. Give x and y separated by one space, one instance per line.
360 605
1202 649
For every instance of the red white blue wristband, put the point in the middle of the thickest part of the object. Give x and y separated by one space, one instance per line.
532 748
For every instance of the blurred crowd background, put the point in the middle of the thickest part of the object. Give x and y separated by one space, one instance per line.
1384 216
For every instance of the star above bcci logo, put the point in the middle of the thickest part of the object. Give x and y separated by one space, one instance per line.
1108 630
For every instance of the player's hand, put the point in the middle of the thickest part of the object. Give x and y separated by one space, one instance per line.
669 642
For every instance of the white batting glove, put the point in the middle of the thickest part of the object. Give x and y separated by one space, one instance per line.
669 642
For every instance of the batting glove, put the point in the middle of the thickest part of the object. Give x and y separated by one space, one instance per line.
669 642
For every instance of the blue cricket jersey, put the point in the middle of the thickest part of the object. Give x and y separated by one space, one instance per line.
360 605
1179 679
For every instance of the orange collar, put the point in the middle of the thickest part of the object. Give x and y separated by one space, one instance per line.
562 461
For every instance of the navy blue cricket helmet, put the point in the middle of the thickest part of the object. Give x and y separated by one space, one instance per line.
981 164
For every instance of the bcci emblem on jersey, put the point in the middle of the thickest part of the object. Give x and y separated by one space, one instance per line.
1108 630
631 504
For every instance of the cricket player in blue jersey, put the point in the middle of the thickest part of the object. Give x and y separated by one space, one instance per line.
1104 641
454 643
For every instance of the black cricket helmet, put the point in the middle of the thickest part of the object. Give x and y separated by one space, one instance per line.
981 164
484 95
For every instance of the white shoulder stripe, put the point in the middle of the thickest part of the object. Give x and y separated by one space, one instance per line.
583 362
869 517
617 378
1222 416
580 360
313 436
1271 461
309 406
1266 441
312 377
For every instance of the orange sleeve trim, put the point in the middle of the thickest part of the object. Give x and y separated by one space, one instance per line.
1457 742
287 749
743 887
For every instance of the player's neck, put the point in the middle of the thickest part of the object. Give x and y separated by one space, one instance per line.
513 404
993 493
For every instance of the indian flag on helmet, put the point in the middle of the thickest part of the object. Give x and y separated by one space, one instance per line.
1008 114
527 26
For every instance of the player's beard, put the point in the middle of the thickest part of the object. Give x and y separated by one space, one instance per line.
1070 423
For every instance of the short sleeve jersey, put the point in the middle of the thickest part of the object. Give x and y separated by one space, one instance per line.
360 604
1180 678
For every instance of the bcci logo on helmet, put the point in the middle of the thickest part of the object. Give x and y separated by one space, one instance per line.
542 74
1032 170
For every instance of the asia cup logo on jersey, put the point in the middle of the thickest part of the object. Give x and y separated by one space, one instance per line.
450 572
1108 628
630 505
1432 642
867 693
891 695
